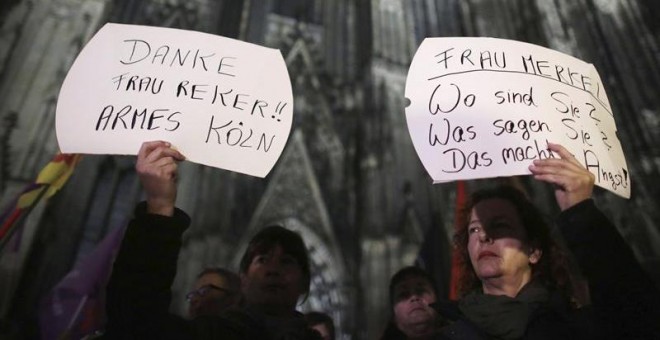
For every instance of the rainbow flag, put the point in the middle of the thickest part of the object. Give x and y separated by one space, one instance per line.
50 179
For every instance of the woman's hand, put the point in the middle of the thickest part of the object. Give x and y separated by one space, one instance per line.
573 183
157 168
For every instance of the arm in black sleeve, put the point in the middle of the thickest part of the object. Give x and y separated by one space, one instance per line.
138 293
624 298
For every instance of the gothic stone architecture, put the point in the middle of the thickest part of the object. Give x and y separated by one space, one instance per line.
349 180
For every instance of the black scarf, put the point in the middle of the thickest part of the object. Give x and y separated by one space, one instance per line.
501 316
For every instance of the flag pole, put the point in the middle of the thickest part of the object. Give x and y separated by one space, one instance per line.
69 328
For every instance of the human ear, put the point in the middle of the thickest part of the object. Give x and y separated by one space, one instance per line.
535 256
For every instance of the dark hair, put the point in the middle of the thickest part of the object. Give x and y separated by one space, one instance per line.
233 280
552 269
316 318
410 272
392 331
270 237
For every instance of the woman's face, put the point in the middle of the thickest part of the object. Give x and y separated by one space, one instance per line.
412 313
273 282
497 243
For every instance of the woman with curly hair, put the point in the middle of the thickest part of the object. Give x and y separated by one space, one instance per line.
515 281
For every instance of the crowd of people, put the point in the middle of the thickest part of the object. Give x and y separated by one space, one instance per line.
515 282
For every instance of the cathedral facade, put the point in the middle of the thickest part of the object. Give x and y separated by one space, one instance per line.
349 180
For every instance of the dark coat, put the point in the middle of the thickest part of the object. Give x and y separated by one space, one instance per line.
625 303
138 294
554 320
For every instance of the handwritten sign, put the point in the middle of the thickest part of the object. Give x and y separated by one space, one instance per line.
484 107
220 101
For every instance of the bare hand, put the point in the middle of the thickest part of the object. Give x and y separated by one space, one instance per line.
573 183
157 168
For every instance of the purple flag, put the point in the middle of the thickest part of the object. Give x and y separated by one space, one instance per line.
75 306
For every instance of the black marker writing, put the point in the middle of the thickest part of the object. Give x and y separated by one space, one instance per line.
458 134
129 118
437 95
472 160
513 97
526 153
137 83
561 98
526 127
237 135
165 55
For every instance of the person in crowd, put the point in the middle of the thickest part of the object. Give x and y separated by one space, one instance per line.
275 276
216 289
274 271
515 282
412 292
322 323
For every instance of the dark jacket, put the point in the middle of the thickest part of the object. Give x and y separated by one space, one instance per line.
138 294
553 320
624 299
625 304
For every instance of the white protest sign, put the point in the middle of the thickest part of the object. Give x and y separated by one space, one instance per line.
485 107
221 102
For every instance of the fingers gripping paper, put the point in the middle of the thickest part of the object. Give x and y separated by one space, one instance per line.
220 101
484 107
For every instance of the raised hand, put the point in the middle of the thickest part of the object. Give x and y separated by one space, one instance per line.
157 168
573 182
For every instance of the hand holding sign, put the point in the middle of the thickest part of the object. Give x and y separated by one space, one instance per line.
220 102
157 168
573 183
484 107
